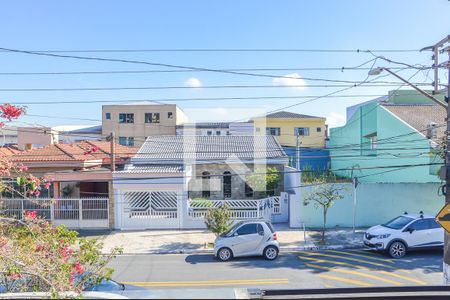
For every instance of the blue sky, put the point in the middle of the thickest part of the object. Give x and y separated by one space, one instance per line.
319 24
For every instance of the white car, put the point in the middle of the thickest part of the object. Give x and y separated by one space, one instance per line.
404 233
248 238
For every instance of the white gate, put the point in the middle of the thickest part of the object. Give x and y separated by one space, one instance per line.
150 210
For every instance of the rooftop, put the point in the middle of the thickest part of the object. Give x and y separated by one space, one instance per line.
76 152
205 125
9 150
175 149
419 116
290 115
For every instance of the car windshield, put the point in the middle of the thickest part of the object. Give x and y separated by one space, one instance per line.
232 228
398 223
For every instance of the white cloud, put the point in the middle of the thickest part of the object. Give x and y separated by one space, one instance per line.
335 120
193 82
294 80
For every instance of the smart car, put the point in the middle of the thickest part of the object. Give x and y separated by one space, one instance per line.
248 238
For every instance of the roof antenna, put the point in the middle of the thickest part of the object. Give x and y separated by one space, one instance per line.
405 213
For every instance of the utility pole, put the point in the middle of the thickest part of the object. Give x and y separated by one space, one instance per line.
297 153
437 49
113 151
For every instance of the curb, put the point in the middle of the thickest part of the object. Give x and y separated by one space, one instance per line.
211 251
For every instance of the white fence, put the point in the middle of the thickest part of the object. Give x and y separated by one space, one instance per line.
74 213
240 209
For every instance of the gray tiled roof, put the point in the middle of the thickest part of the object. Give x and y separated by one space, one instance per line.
175 149
419 116
290 115
206 125
138 169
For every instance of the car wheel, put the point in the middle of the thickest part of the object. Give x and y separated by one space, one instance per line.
270 253
224 254
397 250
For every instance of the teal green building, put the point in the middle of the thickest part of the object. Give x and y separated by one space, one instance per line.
390 140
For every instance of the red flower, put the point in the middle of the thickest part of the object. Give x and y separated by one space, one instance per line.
31 215
10 112
78 267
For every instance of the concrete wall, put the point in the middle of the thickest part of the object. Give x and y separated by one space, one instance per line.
376 203
35 137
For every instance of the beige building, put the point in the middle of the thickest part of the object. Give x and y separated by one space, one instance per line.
132 123
35 137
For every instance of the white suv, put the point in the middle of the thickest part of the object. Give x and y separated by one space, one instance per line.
404 233
248 238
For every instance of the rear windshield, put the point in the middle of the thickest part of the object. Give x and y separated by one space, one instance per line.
270 227
398 223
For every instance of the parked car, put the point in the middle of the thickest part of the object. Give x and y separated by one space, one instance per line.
404 233
248 238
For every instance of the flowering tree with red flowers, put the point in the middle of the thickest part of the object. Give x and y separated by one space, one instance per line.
36 256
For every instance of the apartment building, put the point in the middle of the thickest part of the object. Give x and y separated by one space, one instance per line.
132 123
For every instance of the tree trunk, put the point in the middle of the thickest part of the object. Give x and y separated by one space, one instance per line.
324 224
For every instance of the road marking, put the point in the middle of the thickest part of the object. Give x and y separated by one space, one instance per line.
346 280
404 277
355 273
407 278
364 256
350 258
210 282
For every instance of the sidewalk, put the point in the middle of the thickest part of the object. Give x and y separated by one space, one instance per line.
195 241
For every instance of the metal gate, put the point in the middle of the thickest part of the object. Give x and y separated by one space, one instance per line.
150 210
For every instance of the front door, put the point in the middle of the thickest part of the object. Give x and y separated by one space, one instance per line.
246 240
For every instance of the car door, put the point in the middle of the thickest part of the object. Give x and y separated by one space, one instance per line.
436 233
417 234
246 240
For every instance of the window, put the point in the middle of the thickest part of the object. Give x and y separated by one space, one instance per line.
273 131
258 129
227 184
432 224
301 131
108 116
126 118
151 117
248 229
218 132
209 132
419 225
126 141
170 115
319 129
228 132
373 142
206 193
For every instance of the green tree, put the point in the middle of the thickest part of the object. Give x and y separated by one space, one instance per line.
265 180
218 220
323 196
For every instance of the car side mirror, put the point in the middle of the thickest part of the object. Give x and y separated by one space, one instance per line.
261 233
410 230
235 234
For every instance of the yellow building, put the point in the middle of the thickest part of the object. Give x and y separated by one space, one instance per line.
287 127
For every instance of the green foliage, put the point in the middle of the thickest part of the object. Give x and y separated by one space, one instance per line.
35 256
218 220
323 196
265 180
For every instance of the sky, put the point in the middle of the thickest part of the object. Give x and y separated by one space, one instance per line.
231 24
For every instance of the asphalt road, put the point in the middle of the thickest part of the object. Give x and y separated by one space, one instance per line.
346 268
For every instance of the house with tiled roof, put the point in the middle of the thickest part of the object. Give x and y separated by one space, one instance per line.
172 181
391 139
9 150
302 137
80 169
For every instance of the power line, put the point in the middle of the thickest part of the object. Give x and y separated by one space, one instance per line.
223 50
203 87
